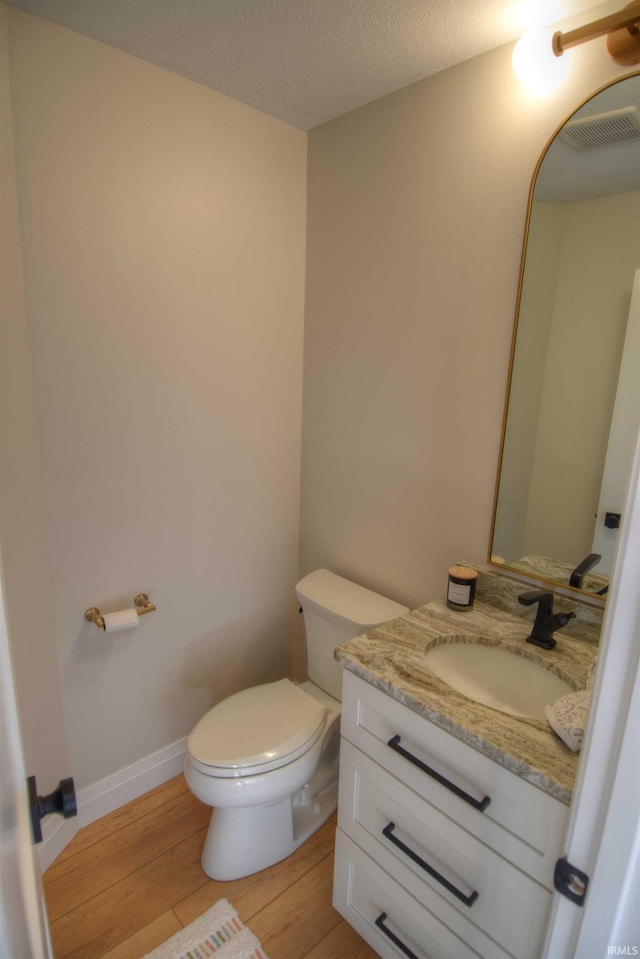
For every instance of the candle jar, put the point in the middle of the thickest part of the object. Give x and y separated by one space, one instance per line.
461 588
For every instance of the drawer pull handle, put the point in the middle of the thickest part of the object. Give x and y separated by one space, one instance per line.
467 900
392 936
480 804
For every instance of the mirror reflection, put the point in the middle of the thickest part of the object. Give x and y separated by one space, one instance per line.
573 409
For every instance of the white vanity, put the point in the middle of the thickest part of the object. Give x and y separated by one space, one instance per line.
450 819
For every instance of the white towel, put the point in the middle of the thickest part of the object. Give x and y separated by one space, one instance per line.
219 934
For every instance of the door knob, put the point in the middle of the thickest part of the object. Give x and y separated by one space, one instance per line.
612 520
62 801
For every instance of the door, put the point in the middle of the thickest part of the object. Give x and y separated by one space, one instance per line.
24 930
603 838
625 423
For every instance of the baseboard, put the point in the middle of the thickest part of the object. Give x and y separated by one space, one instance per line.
108 794
56 834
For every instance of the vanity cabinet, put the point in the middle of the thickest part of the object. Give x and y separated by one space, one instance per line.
440 851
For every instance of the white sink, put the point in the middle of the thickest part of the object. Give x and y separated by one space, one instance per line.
497 678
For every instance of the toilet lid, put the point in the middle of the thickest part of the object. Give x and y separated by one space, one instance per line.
264 726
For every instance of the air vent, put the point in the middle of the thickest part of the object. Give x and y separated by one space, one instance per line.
602 130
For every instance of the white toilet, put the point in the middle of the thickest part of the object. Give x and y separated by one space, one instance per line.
267 758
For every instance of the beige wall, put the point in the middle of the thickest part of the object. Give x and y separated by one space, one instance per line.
416 211
26 572
163 232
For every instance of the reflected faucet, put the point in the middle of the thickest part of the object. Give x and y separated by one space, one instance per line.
546 620
579 572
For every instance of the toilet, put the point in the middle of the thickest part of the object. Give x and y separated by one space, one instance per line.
266 758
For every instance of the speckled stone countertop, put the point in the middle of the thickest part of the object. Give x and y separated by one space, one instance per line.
391 658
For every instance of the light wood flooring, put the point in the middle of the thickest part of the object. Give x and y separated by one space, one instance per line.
132 879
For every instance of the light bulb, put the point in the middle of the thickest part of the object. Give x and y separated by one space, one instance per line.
535 63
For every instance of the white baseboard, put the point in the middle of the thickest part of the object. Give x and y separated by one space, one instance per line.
56 834
108 794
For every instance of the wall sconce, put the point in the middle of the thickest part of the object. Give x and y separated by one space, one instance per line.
538 55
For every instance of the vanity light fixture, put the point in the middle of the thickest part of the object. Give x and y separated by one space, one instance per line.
621 29
538 55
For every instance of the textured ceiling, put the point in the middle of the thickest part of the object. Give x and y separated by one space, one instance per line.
303 61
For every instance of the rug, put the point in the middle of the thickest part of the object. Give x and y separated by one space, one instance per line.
218 933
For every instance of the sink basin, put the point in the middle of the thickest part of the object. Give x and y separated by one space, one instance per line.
497 678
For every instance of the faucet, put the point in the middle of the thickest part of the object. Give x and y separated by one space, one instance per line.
587 563
546 621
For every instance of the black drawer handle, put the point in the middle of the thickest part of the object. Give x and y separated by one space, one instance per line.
392 936
480 804
387 832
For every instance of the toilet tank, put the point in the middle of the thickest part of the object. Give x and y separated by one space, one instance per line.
335 611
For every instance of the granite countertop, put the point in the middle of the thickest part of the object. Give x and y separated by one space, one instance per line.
391 657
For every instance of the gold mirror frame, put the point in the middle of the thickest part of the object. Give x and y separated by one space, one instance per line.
520 573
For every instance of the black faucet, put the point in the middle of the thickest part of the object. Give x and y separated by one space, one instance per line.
587 563
546 621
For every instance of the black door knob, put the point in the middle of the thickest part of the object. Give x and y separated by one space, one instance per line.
612 520
62 800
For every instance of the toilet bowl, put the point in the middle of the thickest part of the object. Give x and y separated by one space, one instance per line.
266 758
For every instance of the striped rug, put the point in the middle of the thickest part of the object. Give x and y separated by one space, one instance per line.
218 933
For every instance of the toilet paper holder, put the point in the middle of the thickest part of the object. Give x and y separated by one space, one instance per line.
93 614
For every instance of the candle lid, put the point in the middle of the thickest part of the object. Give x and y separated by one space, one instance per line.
463 572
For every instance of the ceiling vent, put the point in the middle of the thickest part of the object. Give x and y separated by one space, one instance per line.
603 130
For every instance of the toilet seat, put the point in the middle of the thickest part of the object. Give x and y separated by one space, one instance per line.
256 730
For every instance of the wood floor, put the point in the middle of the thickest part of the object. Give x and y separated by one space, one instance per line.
129 881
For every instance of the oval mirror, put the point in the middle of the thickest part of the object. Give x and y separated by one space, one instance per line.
573 402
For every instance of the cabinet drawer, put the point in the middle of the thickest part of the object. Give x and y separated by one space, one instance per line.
522 823
363 893
446 869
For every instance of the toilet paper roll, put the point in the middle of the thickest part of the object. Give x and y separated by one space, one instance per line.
121 619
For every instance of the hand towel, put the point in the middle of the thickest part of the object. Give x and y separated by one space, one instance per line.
568 717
